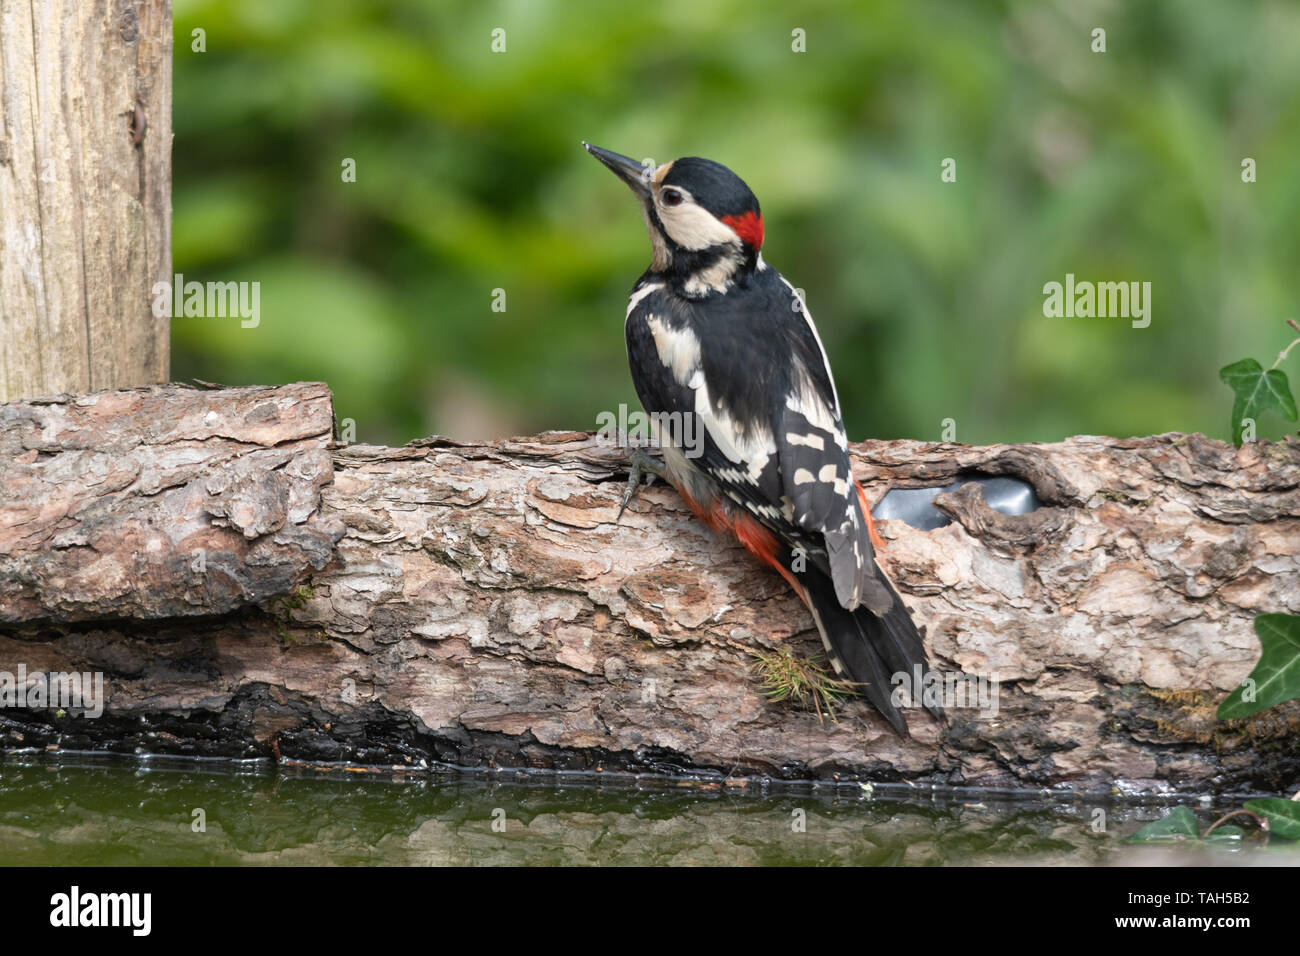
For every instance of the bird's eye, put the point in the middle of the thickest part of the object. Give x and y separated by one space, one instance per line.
671 197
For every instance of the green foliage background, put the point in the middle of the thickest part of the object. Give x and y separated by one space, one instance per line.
1123 165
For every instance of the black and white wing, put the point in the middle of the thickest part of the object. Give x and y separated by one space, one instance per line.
751 370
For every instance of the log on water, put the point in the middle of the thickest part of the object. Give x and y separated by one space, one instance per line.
249 588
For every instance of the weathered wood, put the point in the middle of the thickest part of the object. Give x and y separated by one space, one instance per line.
156 503
85 194
483 608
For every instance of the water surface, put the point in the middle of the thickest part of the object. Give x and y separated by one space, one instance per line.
193 813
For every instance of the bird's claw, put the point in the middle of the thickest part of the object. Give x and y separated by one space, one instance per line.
643 466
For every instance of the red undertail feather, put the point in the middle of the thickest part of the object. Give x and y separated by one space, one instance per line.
876 542
756 539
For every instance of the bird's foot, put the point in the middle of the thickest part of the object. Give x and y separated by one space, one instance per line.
642 466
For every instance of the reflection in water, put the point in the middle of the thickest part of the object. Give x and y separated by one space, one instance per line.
92 812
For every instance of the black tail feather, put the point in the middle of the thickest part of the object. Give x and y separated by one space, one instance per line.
896 634
869 649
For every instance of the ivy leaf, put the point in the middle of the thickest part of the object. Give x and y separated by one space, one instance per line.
1179 826
1228 834
1283 815
1255 391
1176 825
1277 675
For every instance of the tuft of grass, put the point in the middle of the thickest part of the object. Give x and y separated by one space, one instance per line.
282 607
806 682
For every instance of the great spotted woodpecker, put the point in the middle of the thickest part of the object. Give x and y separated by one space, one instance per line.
714 332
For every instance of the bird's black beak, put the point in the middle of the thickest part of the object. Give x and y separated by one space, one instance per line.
625 168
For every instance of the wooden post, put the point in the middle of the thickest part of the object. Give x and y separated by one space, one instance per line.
85 193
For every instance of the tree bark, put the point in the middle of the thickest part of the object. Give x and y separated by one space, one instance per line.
248 588
85 194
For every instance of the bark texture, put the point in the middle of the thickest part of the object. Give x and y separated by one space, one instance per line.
248 589
85 193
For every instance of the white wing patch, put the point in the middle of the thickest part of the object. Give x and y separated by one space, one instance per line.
751 450
638 294
805 400
679 349
807 317
812 441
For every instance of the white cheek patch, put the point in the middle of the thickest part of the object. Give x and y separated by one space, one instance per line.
693 228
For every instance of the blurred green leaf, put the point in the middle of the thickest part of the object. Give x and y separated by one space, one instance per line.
1276 678
1177 825
1255 391
927 294
1228 834
1283 815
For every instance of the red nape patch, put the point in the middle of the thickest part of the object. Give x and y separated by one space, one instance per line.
749 227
